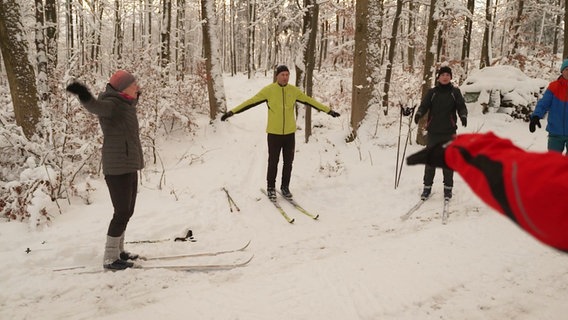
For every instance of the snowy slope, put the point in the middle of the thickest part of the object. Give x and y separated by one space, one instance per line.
359 261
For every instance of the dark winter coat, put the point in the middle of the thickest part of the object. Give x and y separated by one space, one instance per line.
442 103
555 103
122 150
528 187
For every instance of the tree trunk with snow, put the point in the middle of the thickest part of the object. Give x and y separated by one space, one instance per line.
361 93
392 47
215 88
19 70
165 38
427 70
485 59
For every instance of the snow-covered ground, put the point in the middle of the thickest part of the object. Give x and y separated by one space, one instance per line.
358 261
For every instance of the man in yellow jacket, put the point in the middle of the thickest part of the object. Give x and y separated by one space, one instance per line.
281 98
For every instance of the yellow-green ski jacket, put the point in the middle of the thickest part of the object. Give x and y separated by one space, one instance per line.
280 101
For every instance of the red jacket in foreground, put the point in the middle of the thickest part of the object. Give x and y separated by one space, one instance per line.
528 187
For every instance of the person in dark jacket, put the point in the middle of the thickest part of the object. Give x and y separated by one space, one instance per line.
441 103
281 98
122 156
527 187
554 102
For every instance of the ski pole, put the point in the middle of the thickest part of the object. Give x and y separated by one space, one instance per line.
398 149
406 112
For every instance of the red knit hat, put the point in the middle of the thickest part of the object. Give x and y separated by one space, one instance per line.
121 80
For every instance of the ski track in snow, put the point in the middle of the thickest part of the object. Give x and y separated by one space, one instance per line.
358 261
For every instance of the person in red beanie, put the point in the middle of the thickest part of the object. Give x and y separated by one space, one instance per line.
527 187
122 156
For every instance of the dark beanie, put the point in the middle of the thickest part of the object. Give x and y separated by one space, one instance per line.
444 69
121 80
281 68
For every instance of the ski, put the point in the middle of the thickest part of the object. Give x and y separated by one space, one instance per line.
186 268
277 205
446 211
199 267
172 257
299 208
193 255
417 206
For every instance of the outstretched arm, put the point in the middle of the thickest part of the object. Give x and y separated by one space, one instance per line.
527 187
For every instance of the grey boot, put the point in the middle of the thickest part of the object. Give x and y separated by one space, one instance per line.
111 259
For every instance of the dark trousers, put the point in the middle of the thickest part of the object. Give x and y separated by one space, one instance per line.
430 172
286 144
123 189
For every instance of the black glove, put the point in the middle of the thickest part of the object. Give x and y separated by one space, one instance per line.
433 156
417 118
333 113
535 121
226 115
406 111
80 90
464 121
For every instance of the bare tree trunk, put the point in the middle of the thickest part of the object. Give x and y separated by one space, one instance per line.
392 51
166 31
466 44
41 51
19 70
485 60
180 40
427 71
215 88
557 30
118 34
411 34
516 27
310 34
51 34
361 93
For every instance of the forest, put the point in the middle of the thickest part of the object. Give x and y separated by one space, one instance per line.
374 55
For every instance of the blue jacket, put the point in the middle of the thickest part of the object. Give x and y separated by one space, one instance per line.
555 103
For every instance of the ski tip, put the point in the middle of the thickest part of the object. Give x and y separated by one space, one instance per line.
291 220
316 217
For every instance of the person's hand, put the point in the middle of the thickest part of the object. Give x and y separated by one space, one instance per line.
535 121
417 118
226 115
80 90
464 121
333 113
433 156
406 111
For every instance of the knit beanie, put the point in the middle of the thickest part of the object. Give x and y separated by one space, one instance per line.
281 68
121 80
444 69
564 65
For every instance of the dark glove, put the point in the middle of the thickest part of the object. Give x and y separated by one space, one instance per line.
333 113
433 156
535 121
226 115
80 90
417 118
464 121
406 111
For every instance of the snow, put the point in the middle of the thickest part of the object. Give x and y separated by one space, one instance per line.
358 261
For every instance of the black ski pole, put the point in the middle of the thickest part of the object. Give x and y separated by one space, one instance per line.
406 112
398 148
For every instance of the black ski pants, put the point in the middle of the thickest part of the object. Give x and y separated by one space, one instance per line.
123 189
430 172
276 143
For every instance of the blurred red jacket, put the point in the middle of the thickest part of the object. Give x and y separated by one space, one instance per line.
528 187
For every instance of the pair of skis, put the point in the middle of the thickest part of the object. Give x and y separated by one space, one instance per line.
193 267
294 204
445 210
